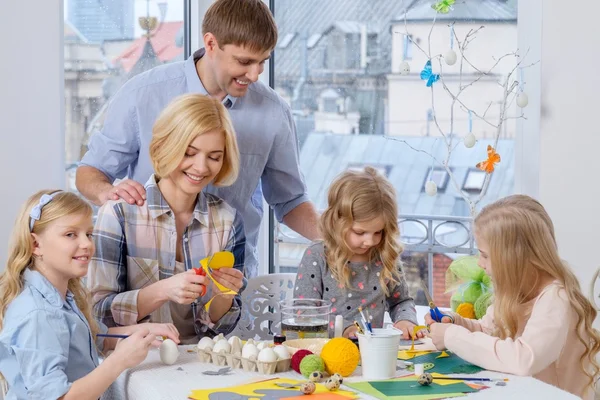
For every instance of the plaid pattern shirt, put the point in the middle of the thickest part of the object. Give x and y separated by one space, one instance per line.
135 247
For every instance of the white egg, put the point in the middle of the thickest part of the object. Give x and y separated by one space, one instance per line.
522 100
282 352
218 337
206 343
469 140
262 345
430 188
168 352
249 351
450 57
236 345
222 346
404 68
267 355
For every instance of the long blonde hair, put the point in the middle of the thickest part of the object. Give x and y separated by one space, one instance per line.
358 196
20 253
522 249
184 119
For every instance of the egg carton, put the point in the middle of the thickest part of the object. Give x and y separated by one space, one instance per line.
238 362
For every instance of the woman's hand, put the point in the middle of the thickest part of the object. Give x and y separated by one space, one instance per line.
184 288
231 278
407 329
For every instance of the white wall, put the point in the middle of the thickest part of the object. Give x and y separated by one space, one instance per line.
570 133
31 106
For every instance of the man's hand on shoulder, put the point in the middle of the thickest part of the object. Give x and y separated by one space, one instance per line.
129 190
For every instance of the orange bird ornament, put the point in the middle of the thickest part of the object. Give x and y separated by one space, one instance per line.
489 164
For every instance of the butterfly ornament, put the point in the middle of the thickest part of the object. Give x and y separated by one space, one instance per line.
428 75
489 164
443 6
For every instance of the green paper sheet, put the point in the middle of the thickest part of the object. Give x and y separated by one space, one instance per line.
412 387
452 364
365 387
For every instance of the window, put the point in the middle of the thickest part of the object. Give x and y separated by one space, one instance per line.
474 181
105 44
361 55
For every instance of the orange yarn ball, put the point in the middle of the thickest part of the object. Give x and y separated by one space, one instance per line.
340 356
466 310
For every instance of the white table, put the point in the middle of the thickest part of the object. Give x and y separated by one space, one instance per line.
153 380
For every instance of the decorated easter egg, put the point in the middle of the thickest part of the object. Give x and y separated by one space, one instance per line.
332 384
316 376
425 379
338 378
308 387
168 352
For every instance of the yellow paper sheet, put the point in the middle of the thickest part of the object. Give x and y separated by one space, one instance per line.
407 354
250 389
221 259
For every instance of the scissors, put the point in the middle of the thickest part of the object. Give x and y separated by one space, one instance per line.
435 312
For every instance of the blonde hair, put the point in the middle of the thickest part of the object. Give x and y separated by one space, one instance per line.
358 196
522 247
20 254
247 23
182 121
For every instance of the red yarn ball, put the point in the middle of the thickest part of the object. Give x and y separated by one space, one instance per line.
297 358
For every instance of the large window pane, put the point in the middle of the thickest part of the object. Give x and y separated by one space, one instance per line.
106 42
341 65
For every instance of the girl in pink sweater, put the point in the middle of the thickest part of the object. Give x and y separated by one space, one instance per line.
540 323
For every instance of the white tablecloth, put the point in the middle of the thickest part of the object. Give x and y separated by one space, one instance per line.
153 380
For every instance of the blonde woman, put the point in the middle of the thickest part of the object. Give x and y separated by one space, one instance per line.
146 254
540 323
357 263
47 335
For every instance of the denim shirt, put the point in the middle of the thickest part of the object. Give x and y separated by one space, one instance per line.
45 342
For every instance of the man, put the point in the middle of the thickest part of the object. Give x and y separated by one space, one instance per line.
239 36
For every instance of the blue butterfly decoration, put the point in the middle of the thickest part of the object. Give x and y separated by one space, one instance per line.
428 76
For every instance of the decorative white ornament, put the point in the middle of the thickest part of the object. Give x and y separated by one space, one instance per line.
469 140
522 100
431 188
404 68
450 57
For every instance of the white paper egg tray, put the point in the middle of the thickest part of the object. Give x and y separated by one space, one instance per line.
238 362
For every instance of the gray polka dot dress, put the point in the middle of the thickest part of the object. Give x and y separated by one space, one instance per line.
314 280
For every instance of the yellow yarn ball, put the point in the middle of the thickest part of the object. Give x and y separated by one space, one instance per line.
341 356
466 310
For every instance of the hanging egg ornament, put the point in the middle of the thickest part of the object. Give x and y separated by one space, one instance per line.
431 188
522 100
469 140
404 68
450 57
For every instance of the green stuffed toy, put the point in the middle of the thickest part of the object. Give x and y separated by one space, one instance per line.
470 283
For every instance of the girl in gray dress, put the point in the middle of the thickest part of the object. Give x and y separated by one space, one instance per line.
357 264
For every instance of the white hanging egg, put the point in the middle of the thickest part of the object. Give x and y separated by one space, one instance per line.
450 57
469 140
430 188
168 352
282 352
404 68
522 100
222 346
267 355
206 343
